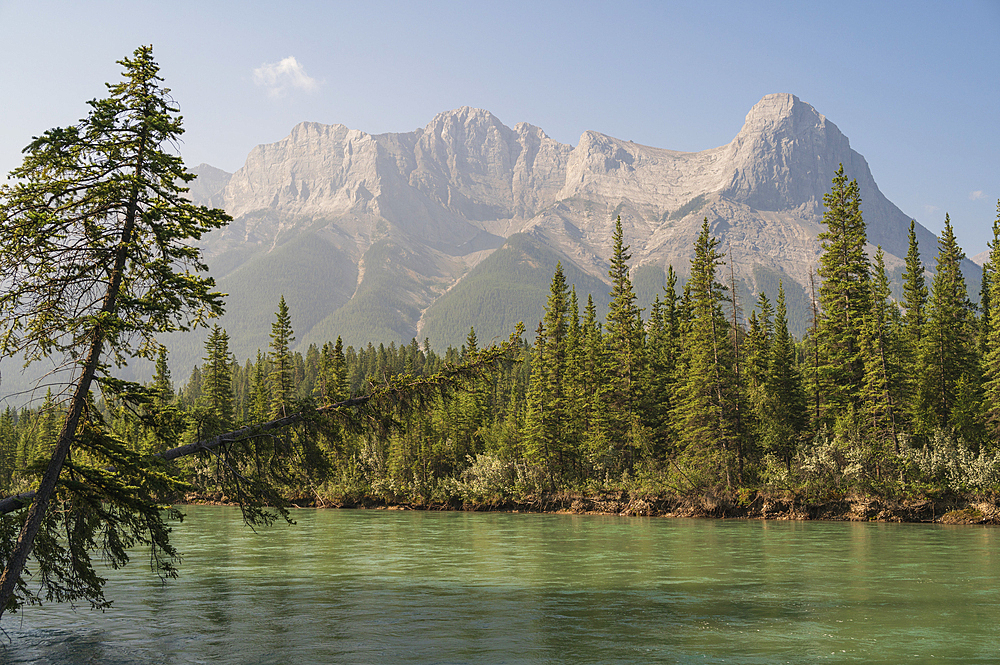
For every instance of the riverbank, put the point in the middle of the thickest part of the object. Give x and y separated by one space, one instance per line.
954 509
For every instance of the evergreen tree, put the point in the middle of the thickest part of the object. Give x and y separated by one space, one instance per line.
8 449
785 417
950 384
914 321
706 408
282 368
333 373
595 389
662 353
844 294
623 338
757 354
471 345
991 357
549 433
217 382
162 386
259 409
99 256
882 375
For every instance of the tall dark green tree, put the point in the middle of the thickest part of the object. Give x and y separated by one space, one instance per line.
991 357
98 259
844 294
549 432
785 419
217 383
913 323
282 368
883 381
595 388
623 337
705 413
950 384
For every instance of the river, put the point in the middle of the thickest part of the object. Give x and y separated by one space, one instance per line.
357 586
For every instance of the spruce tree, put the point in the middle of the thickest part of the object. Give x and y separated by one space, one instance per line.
950 384
282 368
785 418
623 340
595 390
99 257
549 436
217 384
537 428
882 385
991 357
706 408
913 323
757 359
259 409
162 386
844 294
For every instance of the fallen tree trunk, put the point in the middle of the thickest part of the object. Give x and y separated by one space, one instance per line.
398 387
22 500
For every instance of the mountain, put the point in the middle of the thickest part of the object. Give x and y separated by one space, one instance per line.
387 237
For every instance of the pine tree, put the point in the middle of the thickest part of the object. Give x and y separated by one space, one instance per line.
162 386
8 449
757 360
471 345
282 368
845 294
991 357
950 385
882 386
623 340
595 389
99 256
705 411
913 323
217 383
259 409
549 401
785 418
333 381
537 427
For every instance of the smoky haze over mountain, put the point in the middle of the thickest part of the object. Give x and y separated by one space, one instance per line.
383 238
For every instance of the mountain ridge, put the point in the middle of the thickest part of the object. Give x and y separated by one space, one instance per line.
416 213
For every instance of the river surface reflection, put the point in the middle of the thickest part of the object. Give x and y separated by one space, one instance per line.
355 586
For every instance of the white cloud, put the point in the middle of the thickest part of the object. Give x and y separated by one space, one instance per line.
279 77
976 195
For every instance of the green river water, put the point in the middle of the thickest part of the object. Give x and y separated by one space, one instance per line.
356 586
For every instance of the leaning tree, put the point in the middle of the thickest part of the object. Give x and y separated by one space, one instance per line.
96 261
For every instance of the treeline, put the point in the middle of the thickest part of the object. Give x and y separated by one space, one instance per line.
881 397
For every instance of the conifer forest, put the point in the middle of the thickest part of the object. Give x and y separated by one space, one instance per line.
884 398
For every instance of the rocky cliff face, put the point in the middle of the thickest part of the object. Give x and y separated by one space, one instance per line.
404 218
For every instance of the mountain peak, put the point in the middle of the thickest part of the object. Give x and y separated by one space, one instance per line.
785 155
465 115
782 111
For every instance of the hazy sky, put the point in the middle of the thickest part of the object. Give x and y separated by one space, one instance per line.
915 86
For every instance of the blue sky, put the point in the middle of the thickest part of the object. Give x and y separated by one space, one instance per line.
914 85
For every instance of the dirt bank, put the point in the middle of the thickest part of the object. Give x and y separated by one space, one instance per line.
945 510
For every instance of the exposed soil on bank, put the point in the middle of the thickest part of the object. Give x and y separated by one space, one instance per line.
945 510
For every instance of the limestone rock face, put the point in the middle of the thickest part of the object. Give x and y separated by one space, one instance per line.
413 214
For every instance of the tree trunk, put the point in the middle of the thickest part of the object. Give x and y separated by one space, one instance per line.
36 514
